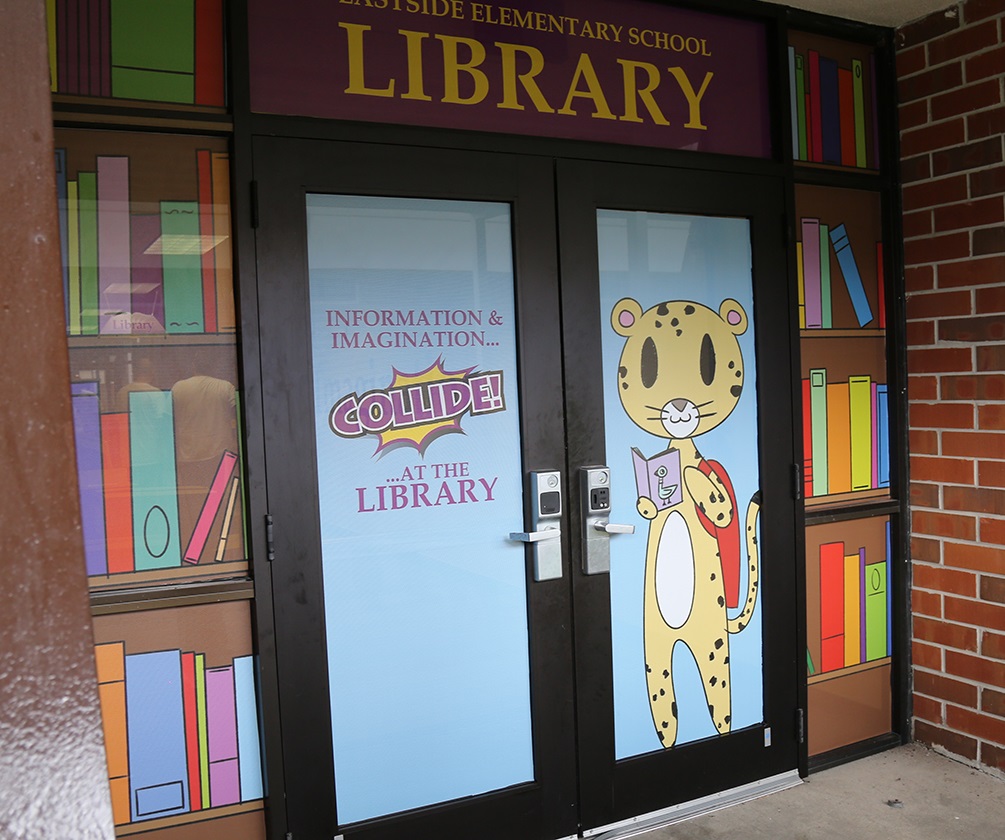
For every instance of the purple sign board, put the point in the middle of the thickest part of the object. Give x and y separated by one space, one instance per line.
630 71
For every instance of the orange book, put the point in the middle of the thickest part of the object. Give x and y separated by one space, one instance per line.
838 438
111 664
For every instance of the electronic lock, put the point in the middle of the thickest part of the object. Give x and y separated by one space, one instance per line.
595 496
545 535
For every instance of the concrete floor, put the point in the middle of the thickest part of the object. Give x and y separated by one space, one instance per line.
908 792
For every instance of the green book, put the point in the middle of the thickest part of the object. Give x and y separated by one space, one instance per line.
826 315
858 96
818 421
87 214
153 50
860 409
73 255
801 105
875 611
181 258
201 717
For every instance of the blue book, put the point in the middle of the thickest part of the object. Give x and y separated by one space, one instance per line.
830 111
883 435
90 477
155 728
156 544
63 228
249 749
849 271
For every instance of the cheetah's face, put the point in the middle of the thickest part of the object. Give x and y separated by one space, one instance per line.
681 371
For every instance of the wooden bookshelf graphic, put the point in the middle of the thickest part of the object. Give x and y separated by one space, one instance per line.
182 725
151 50
146 268
833 100
154 504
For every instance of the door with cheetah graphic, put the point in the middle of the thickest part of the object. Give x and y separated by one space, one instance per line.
690 426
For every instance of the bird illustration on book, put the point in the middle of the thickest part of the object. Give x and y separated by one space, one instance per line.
680 375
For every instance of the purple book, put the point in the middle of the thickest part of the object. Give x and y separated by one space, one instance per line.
221 723
87 436
658 478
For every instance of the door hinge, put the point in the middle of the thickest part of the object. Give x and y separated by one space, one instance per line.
270 546
797 482
254 204
801 725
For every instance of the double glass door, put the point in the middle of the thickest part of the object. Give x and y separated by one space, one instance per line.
528 441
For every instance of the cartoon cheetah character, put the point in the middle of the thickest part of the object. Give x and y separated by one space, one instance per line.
680 375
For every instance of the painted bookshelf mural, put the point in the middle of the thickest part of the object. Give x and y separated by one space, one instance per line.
842 318
145 234
144 223
849 630
833 101
149 50
181 720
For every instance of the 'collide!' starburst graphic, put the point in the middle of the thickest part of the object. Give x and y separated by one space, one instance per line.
417 408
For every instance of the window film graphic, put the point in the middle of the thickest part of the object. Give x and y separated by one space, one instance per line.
179 706
419 483
680 418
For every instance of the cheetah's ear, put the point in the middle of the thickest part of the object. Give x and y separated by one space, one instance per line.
625 316
732 313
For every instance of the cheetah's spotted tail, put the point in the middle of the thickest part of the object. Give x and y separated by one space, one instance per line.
735 625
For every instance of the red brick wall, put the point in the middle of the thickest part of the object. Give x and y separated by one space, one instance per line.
951 71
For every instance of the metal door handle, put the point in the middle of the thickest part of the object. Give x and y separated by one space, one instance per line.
536 536
611 528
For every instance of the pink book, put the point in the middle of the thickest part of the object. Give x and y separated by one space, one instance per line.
210 507
659 478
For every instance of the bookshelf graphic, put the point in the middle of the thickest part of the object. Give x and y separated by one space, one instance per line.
161 265
151 50
181 732
833 100
854 608
154 498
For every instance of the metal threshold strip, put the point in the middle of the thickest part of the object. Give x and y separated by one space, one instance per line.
695 808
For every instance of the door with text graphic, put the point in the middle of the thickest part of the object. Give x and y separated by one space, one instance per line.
503 602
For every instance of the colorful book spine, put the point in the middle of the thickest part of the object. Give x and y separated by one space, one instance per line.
889 591
110 662
807 439
153 52
816 130
861 415
850 273
793 100
832 606
248 733
800 114
818 413
211 507
114 244
158 778
830 113
221 725
87 184
228 519
61 194
200 701
182 267
209 78
118 491
852 610
147 272
846 105
858 103
811 272
188 687
87 437
838 438
155 485
800 285
883 435
826 309
875 434
73 257
876 640
862 605
205 178
226 314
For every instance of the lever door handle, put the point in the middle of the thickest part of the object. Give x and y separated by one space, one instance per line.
611 528
536 536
